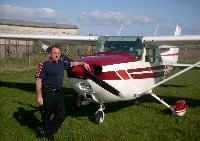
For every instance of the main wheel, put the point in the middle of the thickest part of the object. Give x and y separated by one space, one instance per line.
99 117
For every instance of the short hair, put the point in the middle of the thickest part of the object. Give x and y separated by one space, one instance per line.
49 49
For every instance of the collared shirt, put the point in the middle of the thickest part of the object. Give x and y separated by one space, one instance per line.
52 72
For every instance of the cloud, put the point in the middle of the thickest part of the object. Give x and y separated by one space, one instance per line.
97 18
22 13
143 19
114 18
94 18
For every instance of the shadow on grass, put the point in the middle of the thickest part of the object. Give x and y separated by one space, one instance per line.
71 103
29 87
89 110
27 117
171 100
176 86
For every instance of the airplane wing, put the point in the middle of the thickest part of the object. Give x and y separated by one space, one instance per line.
181 41
70 39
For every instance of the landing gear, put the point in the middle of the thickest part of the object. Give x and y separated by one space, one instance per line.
83 101
99 115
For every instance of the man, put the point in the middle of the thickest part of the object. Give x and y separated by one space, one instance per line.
49 81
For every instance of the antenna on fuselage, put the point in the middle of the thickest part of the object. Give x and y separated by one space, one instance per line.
156 30
120 30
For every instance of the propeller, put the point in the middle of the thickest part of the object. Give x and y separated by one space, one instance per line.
82 73
102 83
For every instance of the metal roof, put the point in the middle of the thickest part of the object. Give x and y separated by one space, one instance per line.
36 24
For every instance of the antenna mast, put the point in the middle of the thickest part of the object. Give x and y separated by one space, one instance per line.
156 30
120 30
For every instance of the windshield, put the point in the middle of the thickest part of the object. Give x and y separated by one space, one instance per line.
123 44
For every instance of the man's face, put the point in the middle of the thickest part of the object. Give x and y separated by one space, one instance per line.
55 53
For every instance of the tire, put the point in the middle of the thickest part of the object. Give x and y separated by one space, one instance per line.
98 117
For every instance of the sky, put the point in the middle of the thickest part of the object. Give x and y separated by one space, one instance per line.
110 17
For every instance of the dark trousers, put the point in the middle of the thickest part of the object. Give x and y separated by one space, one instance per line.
53 105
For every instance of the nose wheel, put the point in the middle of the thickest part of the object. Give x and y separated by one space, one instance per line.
99 115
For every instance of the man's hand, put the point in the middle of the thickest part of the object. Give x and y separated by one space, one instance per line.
38 83
86 66
40 101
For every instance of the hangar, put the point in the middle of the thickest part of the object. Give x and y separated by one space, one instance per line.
18 47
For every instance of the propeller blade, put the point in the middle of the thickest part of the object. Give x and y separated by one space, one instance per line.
102 83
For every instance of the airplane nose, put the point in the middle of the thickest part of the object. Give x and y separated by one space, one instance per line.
93 75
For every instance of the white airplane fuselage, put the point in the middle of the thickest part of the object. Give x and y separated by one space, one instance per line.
130 79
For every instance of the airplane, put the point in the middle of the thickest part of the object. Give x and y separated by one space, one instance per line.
123 68
170 57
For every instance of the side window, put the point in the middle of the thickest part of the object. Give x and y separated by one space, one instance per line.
150 55
135 52
158 57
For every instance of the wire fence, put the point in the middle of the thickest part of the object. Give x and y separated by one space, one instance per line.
31 61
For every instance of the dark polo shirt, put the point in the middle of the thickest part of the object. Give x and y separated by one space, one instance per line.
52 72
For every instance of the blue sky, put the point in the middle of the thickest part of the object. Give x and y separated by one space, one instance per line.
105 17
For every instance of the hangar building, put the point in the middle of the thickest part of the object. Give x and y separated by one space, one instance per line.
17 47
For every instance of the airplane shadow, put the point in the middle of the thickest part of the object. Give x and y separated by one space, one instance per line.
29 87
27 117
89 110
176 86
77 111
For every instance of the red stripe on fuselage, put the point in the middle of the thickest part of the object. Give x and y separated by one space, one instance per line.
169 54
145 69
123 74
147 75
110 75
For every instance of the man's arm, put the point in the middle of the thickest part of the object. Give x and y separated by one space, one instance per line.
38 83
86 66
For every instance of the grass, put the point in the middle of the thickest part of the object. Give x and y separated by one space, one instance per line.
139 120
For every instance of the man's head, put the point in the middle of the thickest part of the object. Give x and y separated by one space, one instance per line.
55 52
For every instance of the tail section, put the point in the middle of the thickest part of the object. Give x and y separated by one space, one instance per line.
171 56
177 31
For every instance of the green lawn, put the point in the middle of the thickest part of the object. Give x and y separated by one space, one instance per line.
143 119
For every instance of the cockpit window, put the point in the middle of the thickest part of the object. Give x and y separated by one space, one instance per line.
131 45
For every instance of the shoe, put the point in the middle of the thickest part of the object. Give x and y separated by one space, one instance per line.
51 138
45 137
42 134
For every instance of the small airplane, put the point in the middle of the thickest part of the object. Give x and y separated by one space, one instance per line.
123 67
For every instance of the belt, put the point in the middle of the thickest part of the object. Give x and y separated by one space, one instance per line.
51 88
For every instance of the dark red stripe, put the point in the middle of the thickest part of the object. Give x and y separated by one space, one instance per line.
123 74
145 69
169 54
110 75
147 75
